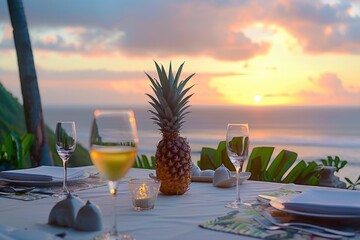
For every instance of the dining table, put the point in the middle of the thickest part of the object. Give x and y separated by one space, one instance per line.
173 217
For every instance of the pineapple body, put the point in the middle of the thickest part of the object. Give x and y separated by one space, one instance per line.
173 165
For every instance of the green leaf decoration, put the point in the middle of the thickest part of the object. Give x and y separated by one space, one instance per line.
26 141
15 149
10 147
342 164
280 165
258 162
207 160
213 158
352 185
310 175
295 172
143 161
153 161
136 164
348 180
330 161
222 157
240 145
324 162
334 162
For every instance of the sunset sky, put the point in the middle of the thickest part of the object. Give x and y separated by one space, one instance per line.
299 52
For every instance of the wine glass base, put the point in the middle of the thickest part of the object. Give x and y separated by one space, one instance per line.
111 236
237 205
63 194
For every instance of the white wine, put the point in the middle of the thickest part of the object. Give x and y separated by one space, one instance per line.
113 161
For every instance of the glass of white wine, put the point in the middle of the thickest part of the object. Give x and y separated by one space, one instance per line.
65 142
113 145
237 146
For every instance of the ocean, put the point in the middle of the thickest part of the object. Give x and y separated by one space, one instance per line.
312 132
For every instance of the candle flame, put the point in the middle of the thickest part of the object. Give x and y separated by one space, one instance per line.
143 191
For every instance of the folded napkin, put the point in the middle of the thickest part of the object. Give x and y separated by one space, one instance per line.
42 173
323 201
25 176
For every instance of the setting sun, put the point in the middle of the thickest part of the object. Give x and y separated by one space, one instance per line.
257 98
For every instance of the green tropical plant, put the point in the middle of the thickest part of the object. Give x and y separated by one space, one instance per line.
352 185
142 161
262 170
12 120
260 167
213 158
334 162
14 150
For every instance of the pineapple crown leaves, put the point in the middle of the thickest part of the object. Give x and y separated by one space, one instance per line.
170 101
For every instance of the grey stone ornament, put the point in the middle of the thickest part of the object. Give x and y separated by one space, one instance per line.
64 212
88 218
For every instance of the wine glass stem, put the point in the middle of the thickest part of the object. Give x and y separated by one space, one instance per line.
114 231
65 189
237 185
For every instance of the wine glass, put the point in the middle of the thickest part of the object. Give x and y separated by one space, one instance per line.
65 141
237 146
113 144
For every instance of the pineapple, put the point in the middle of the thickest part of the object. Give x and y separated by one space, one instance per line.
173 153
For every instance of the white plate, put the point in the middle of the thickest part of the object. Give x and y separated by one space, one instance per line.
43 183
278 204
242 178
201 179
326 201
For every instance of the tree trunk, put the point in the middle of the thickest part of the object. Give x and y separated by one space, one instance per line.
40 154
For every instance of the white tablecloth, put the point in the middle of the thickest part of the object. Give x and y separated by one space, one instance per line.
174 217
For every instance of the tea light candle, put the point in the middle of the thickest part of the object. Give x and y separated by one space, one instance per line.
143 192
143 200
143 203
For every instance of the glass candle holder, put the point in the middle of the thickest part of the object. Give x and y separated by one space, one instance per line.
143 192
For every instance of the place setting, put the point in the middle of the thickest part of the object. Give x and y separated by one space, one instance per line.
285 213
330 213
321 203
44 181
43 176
271 217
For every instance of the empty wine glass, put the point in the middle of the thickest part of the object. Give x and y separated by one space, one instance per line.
113 144
237 146
65 142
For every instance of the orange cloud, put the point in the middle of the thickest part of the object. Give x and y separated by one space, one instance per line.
319 27
189 28
328 90
104 87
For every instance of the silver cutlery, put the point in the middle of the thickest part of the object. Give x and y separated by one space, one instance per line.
17 190
269 226
266 197
23 190
42 191
299 224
